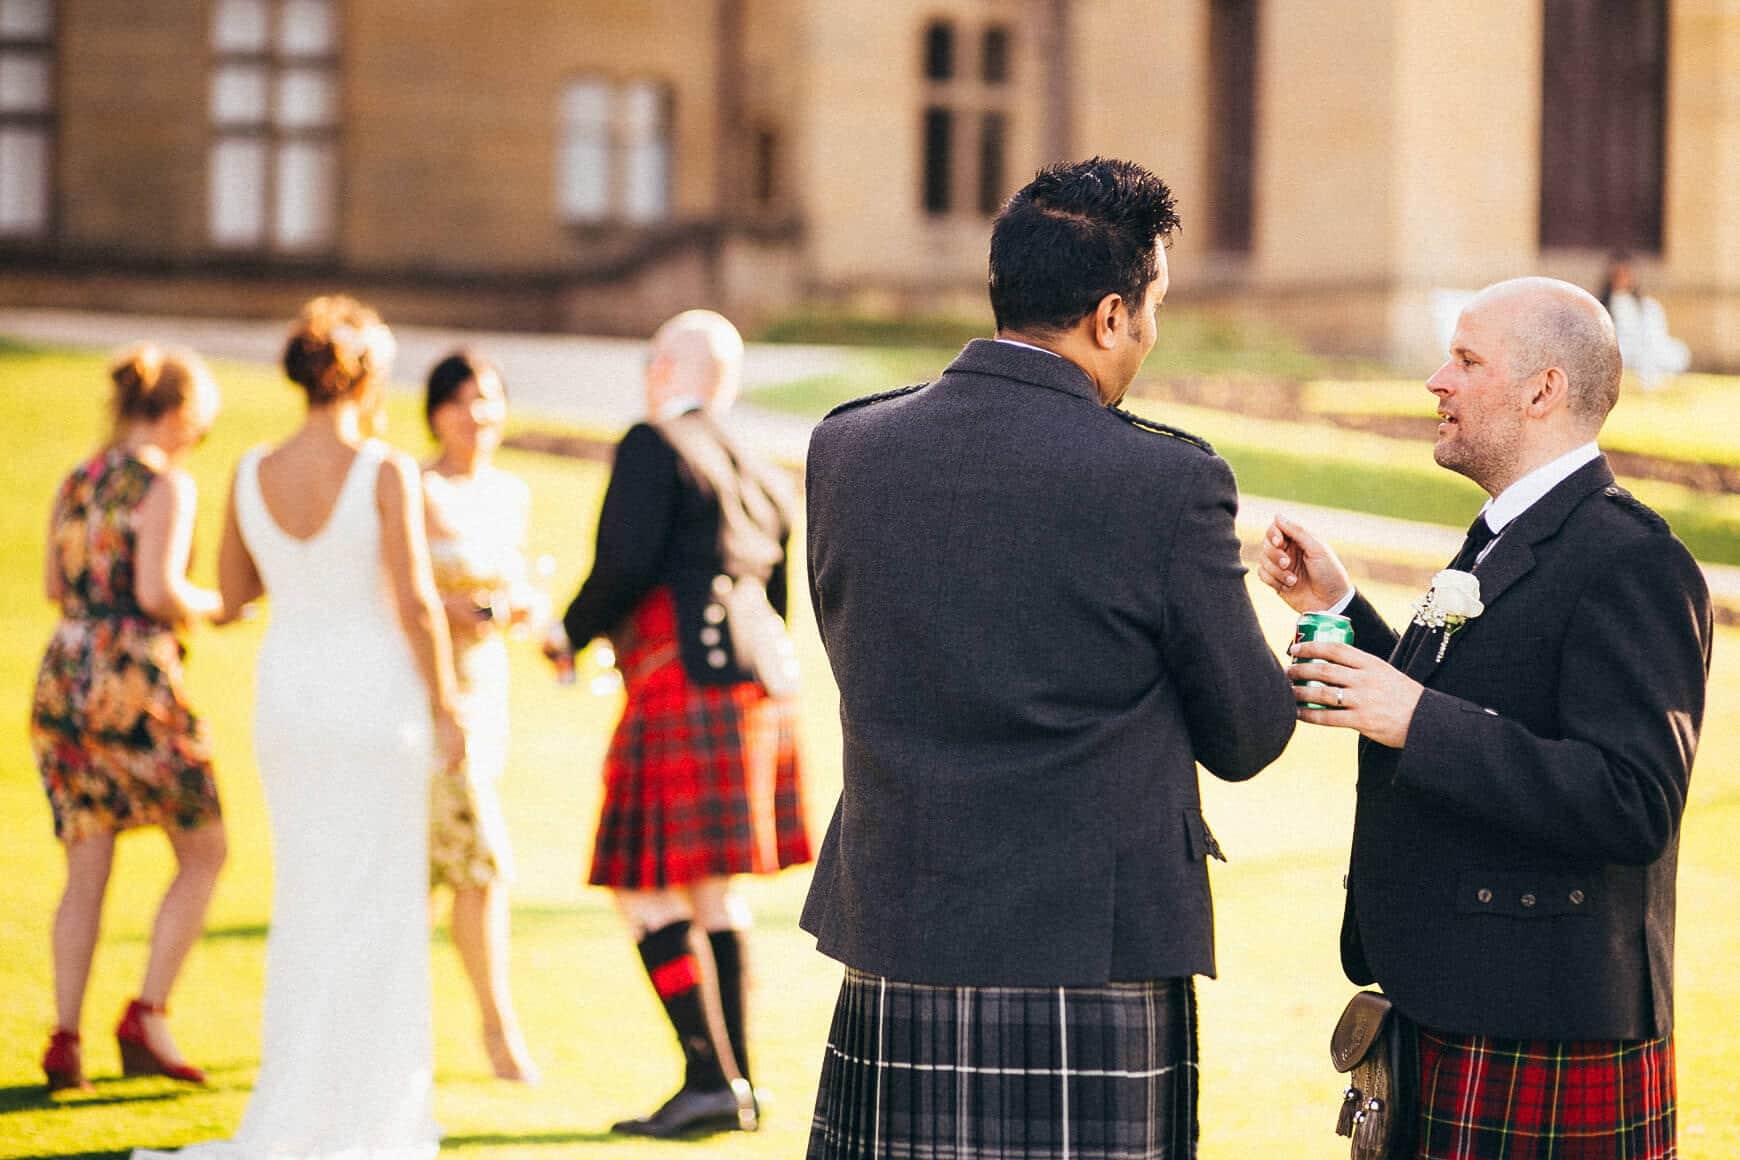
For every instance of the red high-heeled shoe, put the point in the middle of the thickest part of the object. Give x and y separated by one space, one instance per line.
62 1063
137 1058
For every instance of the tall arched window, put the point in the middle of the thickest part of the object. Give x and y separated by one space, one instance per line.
1603 118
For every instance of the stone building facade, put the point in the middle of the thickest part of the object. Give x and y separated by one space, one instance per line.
596 164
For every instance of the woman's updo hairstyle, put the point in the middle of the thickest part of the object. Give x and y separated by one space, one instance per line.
152 381
337 346
449 376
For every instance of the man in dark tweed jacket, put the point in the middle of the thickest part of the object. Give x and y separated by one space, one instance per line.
1523 764
1034 608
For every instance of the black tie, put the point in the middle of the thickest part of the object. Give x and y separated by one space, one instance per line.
1480 534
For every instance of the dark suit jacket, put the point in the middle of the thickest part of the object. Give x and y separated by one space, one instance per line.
660 526
1513 864
1036 614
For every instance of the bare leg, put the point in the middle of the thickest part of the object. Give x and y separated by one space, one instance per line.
199 856
77 921
480 932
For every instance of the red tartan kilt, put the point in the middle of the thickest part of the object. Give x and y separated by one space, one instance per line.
701 780
1508 1099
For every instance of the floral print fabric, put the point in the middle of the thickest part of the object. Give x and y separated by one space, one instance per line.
115 740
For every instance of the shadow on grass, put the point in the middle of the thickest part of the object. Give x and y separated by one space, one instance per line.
120 1155
528 1139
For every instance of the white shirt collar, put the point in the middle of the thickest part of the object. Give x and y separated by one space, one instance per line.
1027 346
1522 495
671 408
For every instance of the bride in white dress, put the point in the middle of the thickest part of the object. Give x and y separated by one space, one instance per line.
353 711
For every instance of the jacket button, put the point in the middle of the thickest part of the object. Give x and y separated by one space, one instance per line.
716 658
1527 900
721 585
1577 897
713 613
709 635
1611 491
1483 895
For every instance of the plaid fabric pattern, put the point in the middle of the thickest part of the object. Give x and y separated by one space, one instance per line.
1020 1073
1507 1099
700 780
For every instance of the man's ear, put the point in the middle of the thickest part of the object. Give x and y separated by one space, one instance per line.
1551 390
1111 318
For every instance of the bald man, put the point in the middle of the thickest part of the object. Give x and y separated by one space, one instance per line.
701 781
1523 765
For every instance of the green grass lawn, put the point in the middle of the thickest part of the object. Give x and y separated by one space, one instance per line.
1268 1090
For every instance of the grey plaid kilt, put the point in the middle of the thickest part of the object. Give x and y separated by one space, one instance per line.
1017 1073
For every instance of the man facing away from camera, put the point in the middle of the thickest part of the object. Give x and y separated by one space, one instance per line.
1525 755
1033 606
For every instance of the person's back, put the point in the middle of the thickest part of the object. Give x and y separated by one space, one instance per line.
330 598
1035 612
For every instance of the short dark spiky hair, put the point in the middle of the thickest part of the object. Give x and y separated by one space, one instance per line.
1074 234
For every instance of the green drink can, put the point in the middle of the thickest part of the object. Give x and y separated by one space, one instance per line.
1325 626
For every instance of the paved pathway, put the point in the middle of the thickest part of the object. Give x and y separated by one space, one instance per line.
595 382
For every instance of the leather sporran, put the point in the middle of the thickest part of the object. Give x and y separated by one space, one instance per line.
759 637
1373 1044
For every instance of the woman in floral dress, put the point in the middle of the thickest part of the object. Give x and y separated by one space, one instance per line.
116 742
476 517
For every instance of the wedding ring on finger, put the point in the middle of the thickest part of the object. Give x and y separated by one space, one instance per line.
1338 701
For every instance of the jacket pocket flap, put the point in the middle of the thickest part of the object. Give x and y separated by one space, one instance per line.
1358 1029
1199 839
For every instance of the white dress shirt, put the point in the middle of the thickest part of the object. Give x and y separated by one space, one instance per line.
1502 510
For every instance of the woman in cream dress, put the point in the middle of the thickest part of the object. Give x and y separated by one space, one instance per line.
476 516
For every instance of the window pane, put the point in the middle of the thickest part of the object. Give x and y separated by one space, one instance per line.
238 95
586 106
642 109
307 183
646 181
939 152
993 152
307 99
307 28
24 83
994 66
23 181
27 19
939 51
237 206
583 182
1233 48
239 26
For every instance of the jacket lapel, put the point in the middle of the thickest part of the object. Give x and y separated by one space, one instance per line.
1512 557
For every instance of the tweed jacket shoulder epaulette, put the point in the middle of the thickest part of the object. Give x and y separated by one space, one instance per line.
1629 503
854 404
1139 422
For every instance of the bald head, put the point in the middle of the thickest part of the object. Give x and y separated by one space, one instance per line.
696 355
1549 323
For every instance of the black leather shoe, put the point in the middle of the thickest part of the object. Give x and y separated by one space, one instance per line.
697 1111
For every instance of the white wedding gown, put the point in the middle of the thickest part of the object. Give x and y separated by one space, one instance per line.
343 742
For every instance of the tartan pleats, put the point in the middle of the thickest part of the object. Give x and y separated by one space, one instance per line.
1505 1099
700 780
916 1072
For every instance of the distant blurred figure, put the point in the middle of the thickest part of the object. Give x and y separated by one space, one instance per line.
477 517
701 782
1645 345
115 739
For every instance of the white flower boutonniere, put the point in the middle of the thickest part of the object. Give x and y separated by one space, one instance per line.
1451 602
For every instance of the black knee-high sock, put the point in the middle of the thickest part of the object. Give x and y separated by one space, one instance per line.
676 976
728 955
